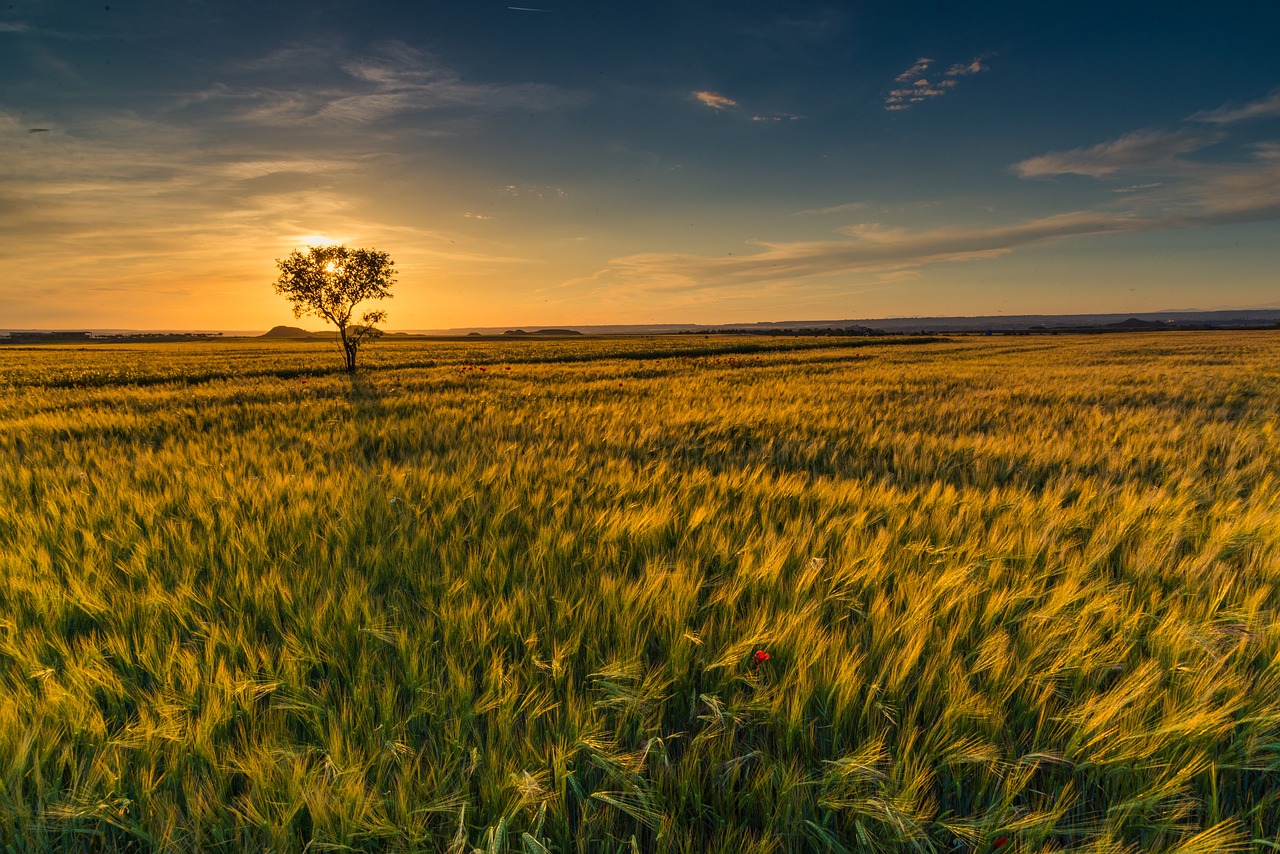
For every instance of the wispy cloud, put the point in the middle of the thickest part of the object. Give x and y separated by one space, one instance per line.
1144 149
405 78
537 191
247 169
1138 188
917 69
916 86
714 100
1262 108
973 66
306 57
720 102
396 80
24 28
847 207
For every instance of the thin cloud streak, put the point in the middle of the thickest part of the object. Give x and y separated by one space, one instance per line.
719 102
1144 150
714 100
398 80
1263 108
848 207
24 28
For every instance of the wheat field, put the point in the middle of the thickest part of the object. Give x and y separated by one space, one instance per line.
1015 594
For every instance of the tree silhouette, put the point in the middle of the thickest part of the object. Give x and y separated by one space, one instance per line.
330 281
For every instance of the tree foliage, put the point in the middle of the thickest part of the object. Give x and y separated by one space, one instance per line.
330 281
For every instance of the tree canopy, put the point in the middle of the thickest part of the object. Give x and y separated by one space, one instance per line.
330 281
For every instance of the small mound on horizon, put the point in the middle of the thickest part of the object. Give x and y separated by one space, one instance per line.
1137 323
286 332
553 332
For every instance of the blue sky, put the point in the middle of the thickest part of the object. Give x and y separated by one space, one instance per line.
574 162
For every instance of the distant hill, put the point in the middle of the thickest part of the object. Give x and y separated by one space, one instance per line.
1136 323
287 332
547 332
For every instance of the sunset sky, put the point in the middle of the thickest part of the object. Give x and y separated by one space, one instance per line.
574 162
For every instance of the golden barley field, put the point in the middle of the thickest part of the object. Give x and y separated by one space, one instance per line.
1016 594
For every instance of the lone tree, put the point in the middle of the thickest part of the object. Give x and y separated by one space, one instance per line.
330 281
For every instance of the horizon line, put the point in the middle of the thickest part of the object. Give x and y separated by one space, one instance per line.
655 325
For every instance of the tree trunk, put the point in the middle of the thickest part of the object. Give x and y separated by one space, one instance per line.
348 350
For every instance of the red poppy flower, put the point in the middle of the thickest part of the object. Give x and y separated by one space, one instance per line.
1000 841
759 658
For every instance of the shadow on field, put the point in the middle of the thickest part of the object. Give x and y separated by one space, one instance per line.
368 416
